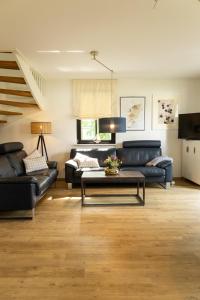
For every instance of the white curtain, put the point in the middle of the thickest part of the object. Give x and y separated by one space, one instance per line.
93 99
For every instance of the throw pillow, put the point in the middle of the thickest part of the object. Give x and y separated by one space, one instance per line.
34 154
35 164
80 156
157 160
85 161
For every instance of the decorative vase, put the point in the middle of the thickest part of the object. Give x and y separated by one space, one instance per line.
111 171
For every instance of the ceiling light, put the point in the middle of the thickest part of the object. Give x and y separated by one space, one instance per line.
65 69
48 51
74 51
60 51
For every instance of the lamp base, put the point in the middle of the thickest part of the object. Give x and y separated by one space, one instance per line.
41 142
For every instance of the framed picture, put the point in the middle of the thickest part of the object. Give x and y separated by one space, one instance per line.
165 114
133 109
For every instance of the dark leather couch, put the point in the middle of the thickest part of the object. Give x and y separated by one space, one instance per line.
134 156
19 191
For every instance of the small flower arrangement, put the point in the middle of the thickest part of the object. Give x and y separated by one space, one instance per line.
113 165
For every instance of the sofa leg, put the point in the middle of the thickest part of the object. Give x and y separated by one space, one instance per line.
33 213
69 186
166 185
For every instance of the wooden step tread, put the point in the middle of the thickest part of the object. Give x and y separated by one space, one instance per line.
6 51
16 92
6 64
17 103
3 121
12 79
10 113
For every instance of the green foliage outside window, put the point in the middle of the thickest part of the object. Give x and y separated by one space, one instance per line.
89 131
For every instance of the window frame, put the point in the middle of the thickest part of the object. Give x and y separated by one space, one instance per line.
80 141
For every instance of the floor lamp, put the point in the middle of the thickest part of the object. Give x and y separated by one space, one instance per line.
41 128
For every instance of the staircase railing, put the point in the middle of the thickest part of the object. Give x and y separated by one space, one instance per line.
35 81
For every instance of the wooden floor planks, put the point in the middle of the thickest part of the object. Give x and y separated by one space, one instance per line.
104 253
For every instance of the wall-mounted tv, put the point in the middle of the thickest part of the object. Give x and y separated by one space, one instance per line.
189 126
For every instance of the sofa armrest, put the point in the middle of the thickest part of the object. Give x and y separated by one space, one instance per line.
52 164
163 164
72 164
70 168
167 165
17 193
18 180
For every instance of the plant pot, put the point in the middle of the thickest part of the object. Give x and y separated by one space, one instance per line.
113 171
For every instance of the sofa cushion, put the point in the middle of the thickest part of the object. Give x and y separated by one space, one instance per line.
142 144
100 154
5 168
10 147
147 171
137 156
85 161
154 162
44 179
34 154
16 161
35 164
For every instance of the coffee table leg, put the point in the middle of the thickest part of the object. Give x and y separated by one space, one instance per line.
82 193
144 192
138 188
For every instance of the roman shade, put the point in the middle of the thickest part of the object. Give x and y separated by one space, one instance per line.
94 98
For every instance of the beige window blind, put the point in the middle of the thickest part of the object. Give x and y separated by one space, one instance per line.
93 99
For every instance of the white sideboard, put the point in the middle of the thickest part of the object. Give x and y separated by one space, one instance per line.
191 160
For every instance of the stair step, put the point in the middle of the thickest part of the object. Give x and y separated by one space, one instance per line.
6 51
18 104
3 121
5 64
10 113
12 79
16 92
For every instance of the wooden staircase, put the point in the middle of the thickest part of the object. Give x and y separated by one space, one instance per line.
15 91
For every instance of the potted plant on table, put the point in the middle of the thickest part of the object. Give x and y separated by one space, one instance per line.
113 165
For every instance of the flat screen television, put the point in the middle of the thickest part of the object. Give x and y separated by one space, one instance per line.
189 126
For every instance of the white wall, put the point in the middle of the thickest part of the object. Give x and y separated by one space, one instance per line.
187 93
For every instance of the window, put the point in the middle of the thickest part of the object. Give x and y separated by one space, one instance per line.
87 133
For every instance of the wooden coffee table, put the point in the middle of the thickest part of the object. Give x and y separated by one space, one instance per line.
123 177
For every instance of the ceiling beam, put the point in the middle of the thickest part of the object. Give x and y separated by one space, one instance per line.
16 92
4 64
12 79
18 104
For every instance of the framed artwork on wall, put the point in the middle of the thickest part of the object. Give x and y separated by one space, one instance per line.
133 109
165 114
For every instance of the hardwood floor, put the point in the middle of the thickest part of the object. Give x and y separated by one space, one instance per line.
104 253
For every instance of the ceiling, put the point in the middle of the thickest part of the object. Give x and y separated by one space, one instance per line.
131 37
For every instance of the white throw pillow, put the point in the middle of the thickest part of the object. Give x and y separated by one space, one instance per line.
157 160
85 161
89 163
34 154
35 164
80 156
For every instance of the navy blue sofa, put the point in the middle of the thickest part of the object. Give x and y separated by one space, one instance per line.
134 156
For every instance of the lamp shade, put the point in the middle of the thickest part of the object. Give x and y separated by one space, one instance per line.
41 128
112 125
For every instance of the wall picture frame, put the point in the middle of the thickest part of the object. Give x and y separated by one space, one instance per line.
164 114
133 109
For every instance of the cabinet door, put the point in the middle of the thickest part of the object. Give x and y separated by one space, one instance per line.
187 158
191 160
195 166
